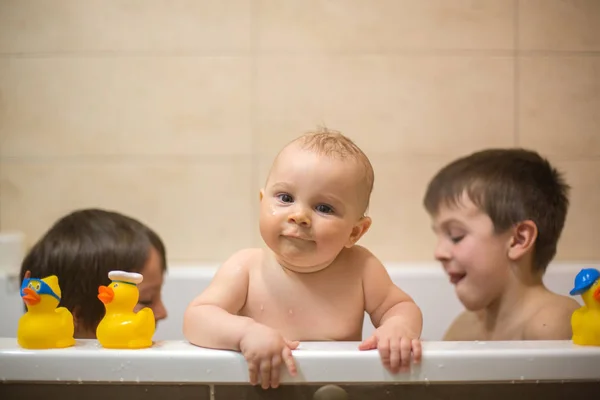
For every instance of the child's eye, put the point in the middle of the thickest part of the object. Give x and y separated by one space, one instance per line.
285 198
324 208
456 239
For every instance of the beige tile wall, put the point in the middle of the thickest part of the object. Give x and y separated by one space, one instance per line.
171 111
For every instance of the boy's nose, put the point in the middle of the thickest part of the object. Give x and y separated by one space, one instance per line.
160 312
299 217
441 252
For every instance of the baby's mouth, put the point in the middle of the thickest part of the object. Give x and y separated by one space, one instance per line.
456 277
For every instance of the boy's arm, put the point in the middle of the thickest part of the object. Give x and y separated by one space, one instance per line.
385 301
210 320
552 322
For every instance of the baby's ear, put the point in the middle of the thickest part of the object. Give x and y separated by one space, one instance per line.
361 227
522 241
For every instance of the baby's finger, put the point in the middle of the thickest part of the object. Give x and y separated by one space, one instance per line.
405 352
383 346
275 368
253 372
288 359
265 373
417 350
369 343
292 344
395 351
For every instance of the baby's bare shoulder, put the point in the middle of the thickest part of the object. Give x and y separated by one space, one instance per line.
552 319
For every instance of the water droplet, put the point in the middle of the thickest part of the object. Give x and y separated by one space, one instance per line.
427 383
440 366
262 308
137 379
58 379
122 380
480 342
522 378
79 380
291 312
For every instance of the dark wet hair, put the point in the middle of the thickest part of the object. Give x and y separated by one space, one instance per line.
82 247
510 186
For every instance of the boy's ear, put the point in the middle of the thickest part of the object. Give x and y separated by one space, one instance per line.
522 240
361 227
262 194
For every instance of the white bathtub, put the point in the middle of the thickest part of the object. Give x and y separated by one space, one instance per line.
425 282
172 361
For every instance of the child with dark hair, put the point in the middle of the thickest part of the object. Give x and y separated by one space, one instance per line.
498 215
82 247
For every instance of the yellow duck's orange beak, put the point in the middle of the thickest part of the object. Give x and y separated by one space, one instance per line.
105 294
31 298
597 294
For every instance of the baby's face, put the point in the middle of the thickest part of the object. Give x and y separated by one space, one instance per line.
310 208
472 254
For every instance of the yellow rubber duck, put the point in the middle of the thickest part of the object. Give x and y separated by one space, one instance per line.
44 325
585 321
121 327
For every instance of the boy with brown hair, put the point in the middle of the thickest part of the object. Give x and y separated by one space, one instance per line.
82 247
312 282
498 215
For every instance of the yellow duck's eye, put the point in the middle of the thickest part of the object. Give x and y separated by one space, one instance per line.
37 286
30 286
116 285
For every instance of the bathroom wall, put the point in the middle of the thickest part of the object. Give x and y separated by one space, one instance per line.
171 111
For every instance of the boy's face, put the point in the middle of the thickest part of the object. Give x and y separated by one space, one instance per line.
151 287
472 254
311 208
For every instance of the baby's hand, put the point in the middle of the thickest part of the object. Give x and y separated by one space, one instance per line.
265 349
395 345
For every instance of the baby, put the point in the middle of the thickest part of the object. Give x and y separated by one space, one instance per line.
312 282
498 215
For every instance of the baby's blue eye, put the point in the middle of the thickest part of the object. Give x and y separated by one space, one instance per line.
285 198
324 208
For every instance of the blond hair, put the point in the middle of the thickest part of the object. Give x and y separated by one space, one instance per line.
332 143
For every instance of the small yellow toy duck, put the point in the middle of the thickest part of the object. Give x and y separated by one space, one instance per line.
585 321
44 325
121 327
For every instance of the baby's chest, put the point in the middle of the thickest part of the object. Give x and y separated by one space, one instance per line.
308 313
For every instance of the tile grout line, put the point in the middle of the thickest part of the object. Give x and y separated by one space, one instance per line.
516 80
255 156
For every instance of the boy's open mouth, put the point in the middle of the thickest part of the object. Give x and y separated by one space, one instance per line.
456 277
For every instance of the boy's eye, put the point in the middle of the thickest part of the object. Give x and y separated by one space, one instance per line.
324 208
456 239
285 198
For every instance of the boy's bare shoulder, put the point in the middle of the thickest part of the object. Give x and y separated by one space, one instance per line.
551 321
465 327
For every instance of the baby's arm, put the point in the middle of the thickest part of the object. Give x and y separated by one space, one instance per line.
210 320
398 319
